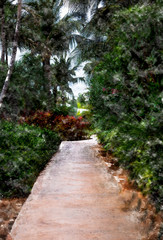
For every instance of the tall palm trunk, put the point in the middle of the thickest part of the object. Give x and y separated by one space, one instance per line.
47 72
13 56
3 34
52 95
55 95
6 53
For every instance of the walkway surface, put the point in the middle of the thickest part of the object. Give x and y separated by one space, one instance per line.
75 199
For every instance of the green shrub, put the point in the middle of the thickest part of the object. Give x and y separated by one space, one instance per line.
126 95
140 153
24 152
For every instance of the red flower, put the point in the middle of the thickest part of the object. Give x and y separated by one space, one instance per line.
80 118
114 91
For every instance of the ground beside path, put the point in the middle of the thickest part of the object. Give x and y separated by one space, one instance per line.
75 199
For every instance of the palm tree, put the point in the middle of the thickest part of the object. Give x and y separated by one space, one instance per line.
64 73
2 16
84 8
13 57
49 35
93 38
91 41
4 5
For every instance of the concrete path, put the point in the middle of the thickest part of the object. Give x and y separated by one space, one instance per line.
75 199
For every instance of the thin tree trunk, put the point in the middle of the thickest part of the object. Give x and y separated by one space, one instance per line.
6 53
3 34
47 72
13 56
55 95
48 77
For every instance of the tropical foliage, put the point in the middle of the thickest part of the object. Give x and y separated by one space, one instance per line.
27 90
24 152
126 94
122 42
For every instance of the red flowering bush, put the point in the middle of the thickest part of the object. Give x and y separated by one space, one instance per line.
71 128
41 119
68 127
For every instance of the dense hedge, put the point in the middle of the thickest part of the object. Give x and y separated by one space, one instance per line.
24 152
126 95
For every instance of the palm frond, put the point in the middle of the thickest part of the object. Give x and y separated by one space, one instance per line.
83 6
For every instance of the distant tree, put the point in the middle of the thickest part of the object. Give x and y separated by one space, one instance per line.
81 99
65 74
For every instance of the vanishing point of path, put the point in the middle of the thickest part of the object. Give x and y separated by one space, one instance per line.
75 199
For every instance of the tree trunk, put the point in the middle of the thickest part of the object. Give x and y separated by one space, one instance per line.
52 98
13 56
47 72
55 95
3 34
6 54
